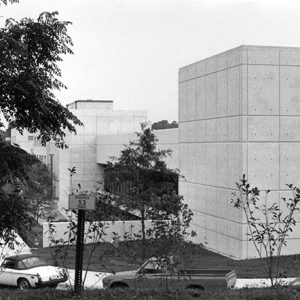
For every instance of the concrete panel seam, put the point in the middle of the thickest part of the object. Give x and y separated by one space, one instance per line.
215 216
247 160
216 125
211 185
196 77
241 142
279 168
237 65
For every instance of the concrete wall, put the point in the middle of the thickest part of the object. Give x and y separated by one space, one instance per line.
25 140
83 149
111 145
91 104
122 230
238 113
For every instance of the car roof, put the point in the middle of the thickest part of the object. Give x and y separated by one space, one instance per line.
20 256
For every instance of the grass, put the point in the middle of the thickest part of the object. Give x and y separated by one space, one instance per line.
107 258
246 294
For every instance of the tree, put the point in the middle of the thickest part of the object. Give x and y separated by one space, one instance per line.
270 231
14 208
29 53
38 191
142 179
164 124
6 1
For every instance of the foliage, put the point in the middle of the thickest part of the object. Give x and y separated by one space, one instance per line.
164 124
107 208
7 1
25 188
239 294
94 233
268 233
38 191
171 228
29 53
13 206
145 184
14 163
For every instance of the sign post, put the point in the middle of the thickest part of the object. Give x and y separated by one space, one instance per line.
80 202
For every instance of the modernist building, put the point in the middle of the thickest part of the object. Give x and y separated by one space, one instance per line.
239 113
99 119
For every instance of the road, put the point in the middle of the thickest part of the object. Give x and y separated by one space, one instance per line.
94 281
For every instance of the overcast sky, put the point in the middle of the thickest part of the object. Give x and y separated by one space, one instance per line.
130 51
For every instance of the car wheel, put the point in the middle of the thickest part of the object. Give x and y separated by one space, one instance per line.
119 285
195 291
23 284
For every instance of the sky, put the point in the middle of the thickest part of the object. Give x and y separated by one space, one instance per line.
130 51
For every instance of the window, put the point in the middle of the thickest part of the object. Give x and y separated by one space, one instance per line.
30 138
9 264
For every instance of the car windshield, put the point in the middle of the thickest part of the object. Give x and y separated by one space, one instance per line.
31 262
152 267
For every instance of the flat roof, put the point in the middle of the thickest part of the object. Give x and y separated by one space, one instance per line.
91 100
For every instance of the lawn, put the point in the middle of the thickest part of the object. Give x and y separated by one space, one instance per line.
244 294
107 258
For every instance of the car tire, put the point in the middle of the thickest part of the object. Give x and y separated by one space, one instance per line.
119 285
195 291
23 284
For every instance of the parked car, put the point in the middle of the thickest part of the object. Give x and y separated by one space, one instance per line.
29 271
155 273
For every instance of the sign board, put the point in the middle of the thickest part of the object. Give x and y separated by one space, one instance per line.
82 201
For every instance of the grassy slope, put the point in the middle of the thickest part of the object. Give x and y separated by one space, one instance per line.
127 256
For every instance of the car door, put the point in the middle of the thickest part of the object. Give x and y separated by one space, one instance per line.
16 272
150 276
6 272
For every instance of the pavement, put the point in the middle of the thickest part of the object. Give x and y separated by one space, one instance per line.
94 281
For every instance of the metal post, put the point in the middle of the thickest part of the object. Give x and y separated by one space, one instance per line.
79 252
51 172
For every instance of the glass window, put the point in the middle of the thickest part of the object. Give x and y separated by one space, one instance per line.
152 267
34 261
9 264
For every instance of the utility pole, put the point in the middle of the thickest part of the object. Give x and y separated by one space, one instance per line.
79 252
51 172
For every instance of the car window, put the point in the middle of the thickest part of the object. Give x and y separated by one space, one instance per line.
9 264
20 265
152 267
31 262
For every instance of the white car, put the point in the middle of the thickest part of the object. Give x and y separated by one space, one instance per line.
29 271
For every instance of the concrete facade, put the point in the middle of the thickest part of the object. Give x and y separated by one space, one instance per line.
99 119
111 145
239 113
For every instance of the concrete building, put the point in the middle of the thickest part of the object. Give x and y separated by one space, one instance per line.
99 119
239 113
